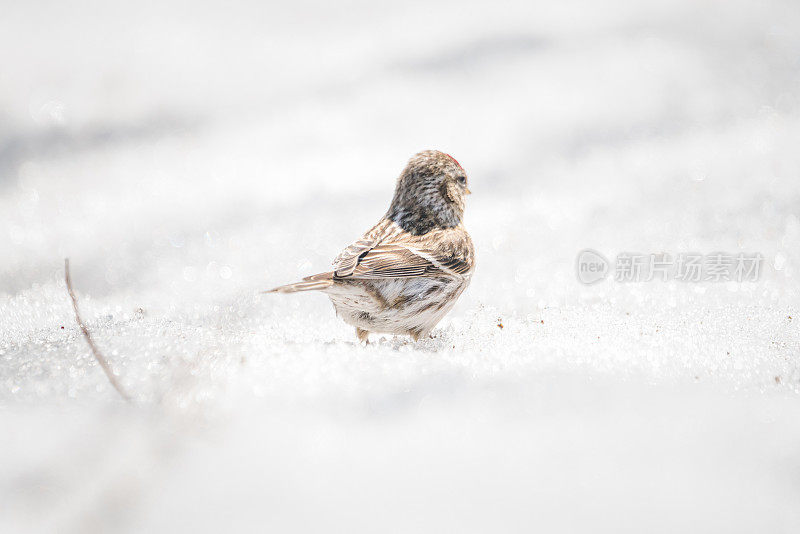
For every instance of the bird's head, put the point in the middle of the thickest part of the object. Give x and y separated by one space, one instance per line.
430 193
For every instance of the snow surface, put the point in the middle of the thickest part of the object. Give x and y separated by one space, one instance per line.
187 156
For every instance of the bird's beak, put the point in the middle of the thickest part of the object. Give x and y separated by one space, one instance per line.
467 191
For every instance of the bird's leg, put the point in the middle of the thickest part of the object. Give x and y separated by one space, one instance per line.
415 334
363 335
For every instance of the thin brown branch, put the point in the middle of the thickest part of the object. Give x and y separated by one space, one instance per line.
97 354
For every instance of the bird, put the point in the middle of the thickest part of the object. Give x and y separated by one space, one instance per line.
406 272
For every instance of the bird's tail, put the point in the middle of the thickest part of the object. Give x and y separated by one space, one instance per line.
309 283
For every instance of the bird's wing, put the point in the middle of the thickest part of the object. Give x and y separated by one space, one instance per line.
435 254
346 262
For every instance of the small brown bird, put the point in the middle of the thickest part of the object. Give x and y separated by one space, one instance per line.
406 272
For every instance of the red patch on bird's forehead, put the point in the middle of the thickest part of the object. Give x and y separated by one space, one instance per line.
454 159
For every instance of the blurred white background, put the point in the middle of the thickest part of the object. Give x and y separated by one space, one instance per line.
186 155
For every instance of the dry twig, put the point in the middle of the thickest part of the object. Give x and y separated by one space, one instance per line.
97 354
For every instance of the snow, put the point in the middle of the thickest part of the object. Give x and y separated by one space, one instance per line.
186 159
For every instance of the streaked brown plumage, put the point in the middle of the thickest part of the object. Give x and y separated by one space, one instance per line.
408 270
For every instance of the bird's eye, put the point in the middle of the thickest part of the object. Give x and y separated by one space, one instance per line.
462 180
